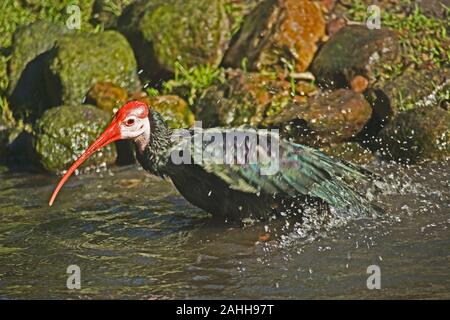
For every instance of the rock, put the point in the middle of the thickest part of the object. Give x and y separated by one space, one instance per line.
174 110
413 88
278 32
434 8
352 51
417 135
31 52
64 132
349 151
194 32
330 118
359 84
84 59
246 98
107 96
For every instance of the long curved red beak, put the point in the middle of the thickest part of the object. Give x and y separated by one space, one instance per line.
111 134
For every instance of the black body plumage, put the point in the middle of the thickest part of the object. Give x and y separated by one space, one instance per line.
235 191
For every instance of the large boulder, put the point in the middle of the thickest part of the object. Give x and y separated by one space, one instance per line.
162 32
247 98
64 132
332 117
84 59
417 135
276 33
355 51
31 52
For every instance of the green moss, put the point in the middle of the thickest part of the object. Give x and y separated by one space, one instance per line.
86 59
193 81
4 80
14 13
174 110
63 133
193 31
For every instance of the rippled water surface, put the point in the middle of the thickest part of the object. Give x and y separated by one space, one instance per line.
133 236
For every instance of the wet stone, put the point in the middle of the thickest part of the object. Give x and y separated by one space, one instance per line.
354 50
31 54
277 33
417 135
162 32
332 117
64 132
84 59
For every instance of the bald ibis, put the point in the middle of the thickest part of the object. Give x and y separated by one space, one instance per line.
226 188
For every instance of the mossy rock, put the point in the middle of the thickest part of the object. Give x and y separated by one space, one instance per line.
277 33
174 110
17 13
349 151
417 135
246 98
355 51
331 117
84 59
64 132
107 96
31 52
192 31
414 88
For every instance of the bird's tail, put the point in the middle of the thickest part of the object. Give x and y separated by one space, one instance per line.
344 183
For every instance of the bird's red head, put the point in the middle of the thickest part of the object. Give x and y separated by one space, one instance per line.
130 122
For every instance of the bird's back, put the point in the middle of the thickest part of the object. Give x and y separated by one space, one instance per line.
234 183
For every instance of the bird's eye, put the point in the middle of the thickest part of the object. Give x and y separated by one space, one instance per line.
129 122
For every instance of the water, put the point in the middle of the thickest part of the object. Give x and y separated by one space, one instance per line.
134 237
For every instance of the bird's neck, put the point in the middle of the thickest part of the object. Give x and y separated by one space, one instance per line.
153 150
